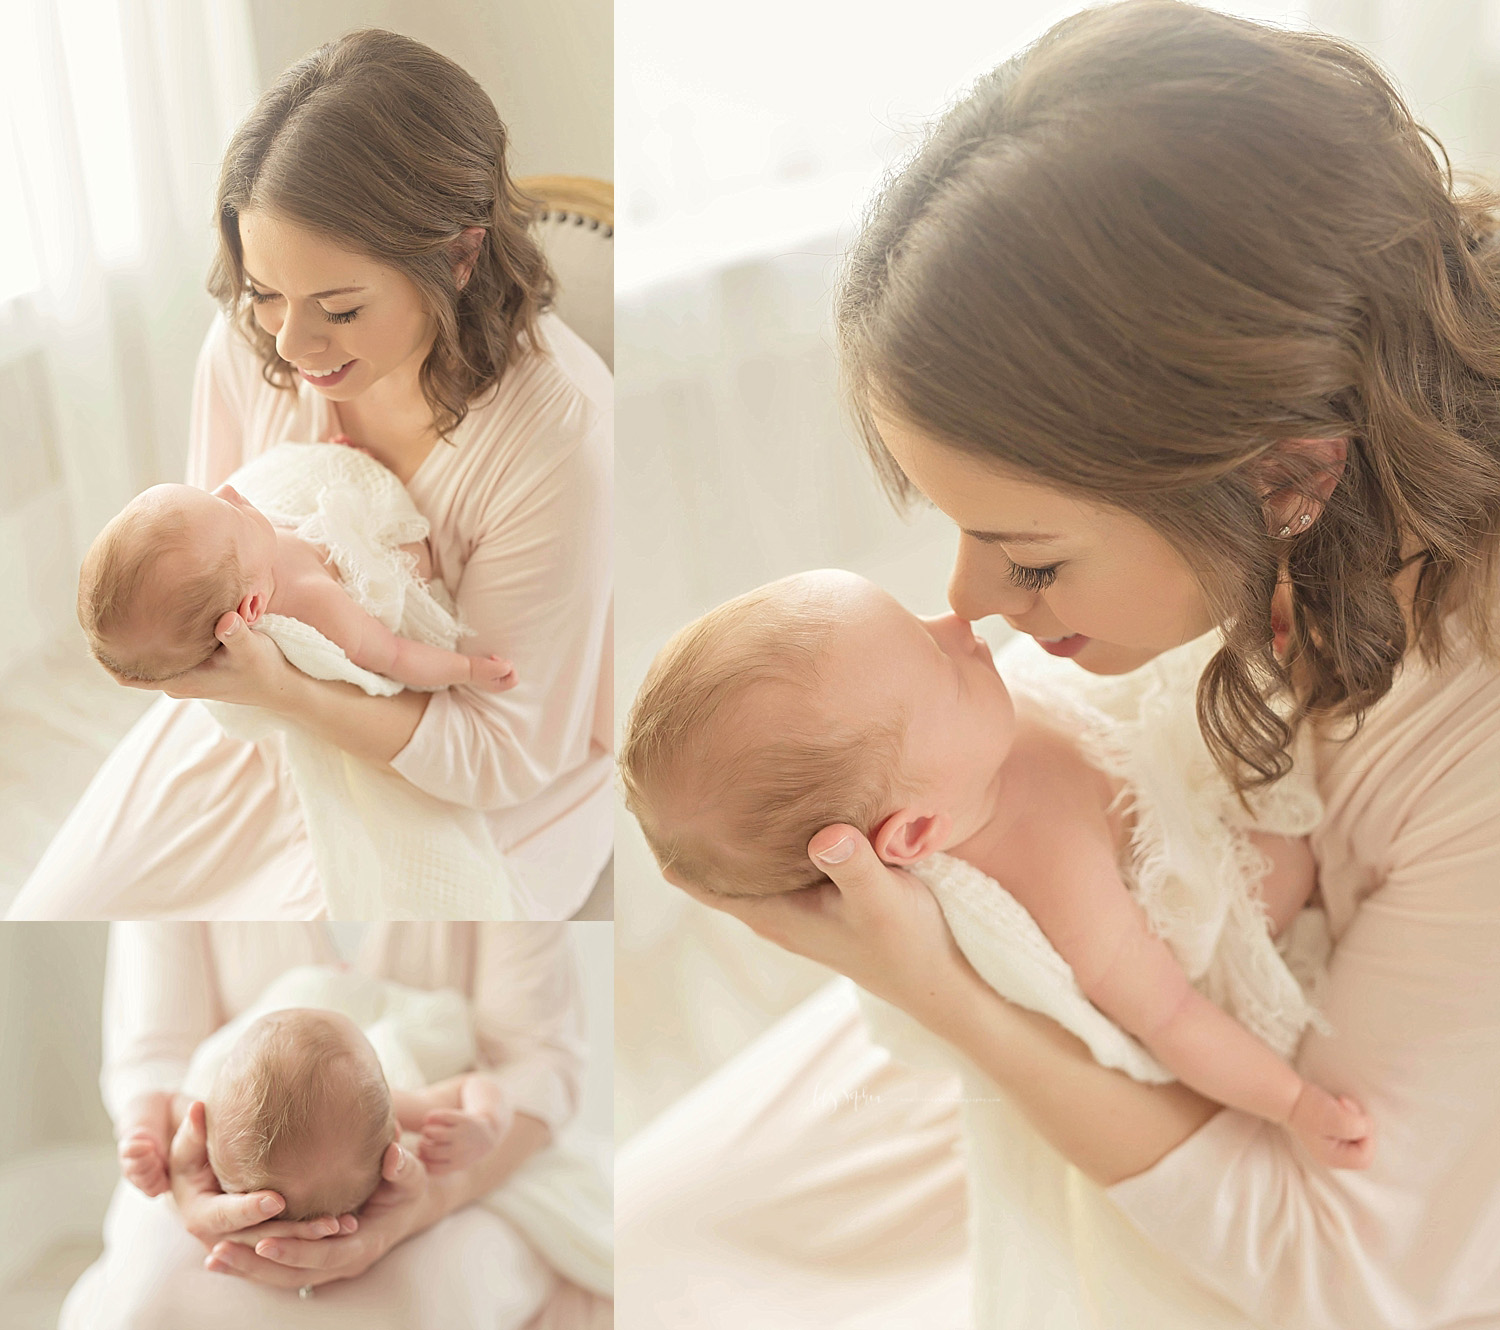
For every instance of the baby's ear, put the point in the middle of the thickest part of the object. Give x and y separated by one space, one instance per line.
252 606
907 836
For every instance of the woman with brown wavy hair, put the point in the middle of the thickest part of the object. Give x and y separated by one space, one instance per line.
1183 324
379 284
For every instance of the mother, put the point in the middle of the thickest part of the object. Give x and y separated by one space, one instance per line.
377 281
419 1253
1180 321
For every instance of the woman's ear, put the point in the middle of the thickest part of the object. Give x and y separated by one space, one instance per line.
908 836
1287 507
463 253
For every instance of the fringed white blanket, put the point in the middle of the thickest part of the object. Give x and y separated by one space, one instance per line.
1048 1247
384 849
561 1200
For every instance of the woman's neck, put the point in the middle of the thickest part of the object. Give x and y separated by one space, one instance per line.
393 421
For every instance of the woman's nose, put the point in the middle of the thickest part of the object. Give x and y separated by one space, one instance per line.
981 585
298 337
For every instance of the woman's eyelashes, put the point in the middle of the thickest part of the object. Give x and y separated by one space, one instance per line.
343 316
1033 579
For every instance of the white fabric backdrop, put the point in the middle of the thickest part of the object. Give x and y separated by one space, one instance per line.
117 111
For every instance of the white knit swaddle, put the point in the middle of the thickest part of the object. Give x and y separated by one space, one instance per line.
561 1199
384 849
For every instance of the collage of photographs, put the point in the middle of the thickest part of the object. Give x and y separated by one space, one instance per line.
899 732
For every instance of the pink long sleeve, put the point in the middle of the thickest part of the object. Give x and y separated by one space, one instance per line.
216 422
159 1002
521 511
528 1017
1409 863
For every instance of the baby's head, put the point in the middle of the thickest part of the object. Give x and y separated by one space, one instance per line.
163 572
300 1107
814 700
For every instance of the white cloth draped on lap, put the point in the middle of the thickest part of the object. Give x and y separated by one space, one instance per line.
560 1200
1045 1242
383 848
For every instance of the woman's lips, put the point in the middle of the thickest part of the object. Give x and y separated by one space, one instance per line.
1067 646
325 380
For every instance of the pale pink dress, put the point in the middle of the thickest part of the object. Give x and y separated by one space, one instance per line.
183 822
812 1183
167 986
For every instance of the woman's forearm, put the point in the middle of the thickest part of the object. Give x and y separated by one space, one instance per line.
1110 1126
374 728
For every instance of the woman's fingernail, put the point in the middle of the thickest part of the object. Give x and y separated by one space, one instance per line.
838 852
269 1205
401 1157
267 1249
215 1266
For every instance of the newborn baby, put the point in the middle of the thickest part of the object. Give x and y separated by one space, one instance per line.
301 1107
820 700
177 559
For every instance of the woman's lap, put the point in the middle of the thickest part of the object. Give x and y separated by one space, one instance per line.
470 1269
181 821
812 1181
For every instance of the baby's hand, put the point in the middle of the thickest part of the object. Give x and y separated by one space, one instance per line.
143 1161
1336 1132
491 673
452 1139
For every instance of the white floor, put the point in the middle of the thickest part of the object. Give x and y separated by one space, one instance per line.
60 715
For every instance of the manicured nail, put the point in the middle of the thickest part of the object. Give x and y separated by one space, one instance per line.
268 1249
838 852
269 1205
401 1158
215 1266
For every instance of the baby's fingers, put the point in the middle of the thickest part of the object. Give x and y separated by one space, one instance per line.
447 1118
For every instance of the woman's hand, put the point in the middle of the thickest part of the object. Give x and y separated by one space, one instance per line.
878 925
212 1215
399 1208
248 668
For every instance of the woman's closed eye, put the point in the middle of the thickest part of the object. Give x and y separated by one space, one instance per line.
1033 579
342 316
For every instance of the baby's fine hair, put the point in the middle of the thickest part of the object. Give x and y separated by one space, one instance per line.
771 792
286 1080
120 572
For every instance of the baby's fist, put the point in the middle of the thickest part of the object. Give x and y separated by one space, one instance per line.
491 673
453 1139
143 1162
1337 1133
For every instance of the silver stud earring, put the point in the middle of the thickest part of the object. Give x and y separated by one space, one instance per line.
1301 523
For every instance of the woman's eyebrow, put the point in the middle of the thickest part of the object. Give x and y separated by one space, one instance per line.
1010 537
316 295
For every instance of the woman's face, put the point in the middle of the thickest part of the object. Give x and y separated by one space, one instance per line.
1101 578
331 309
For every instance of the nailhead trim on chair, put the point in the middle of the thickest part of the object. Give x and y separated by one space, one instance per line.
578 219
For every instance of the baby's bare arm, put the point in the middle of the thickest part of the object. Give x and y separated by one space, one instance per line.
1132 976
419 550
413 1106
1291 879
372 646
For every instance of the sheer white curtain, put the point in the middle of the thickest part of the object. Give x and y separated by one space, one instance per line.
748 143
115 114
